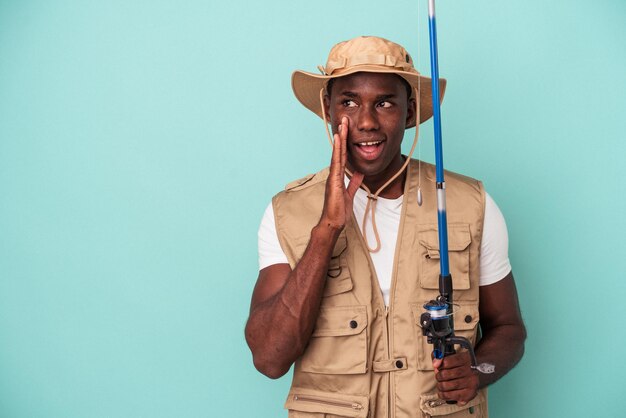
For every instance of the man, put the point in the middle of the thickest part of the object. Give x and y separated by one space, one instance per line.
345 271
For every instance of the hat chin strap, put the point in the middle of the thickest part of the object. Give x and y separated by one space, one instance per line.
372 198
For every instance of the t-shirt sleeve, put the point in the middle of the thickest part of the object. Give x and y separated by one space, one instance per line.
270 251
494 247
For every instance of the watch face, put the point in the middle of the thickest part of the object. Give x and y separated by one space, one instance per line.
486 368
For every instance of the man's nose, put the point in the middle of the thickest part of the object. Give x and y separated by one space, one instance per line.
368 119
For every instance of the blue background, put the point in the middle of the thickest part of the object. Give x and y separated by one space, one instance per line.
140 142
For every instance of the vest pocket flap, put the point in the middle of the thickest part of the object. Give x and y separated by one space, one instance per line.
459 241
433 253
338 344
337 285
432 406
315 401
465 316
344 320
459 238
338 278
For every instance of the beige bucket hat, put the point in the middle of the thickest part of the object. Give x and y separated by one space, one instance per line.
367 54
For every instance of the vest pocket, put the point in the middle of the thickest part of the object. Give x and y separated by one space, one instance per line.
338 344
465 325
338 278
432 406
309 403
459 240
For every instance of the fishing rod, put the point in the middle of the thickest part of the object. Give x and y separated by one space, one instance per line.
438 321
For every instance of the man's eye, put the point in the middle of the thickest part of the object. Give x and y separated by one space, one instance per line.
385 104
348 103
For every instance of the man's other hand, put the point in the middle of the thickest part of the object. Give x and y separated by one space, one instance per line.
455 378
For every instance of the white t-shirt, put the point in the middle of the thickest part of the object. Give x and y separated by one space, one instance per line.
494 247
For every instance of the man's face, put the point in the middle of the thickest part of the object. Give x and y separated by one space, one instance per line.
378 110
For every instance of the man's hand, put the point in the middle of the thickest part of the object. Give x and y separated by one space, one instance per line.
338 199
455 378
502 344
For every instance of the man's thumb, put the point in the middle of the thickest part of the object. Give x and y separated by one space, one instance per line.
355 183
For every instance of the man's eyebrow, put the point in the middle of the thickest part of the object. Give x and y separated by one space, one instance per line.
352 94
385 97
349 93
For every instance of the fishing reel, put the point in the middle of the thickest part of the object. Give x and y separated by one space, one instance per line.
438 326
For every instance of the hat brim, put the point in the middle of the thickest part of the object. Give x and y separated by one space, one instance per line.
306 86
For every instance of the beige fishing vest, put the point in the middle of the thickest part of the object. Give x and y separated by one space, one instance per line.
363 359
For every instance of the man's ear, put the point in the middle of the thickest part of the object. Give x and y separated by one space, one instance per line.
411 112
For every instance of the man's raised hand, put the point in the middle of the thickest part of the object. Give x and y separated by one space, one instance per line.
338 199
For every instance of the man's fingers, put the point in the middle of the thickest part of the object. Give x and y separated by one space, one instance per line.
437 362
462 396
456 360
452 385
336 157
452 361
338 160
343 134
455 379
355 182
454 373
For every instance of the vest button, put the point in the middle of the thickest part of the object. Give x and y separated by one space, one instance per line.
353 324
399 364
468 318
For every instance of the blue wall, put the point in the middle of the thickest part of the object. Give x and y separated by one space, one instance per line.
140 142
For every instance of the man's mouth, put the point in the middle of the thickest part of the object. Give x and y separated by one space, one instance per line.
369 150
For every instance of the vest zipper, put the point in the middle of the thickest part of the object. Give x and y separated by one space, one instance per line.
385 309
330 402
408 186
389 378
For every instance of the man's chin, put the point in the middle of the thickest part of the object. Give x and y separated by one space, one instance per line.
369 171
